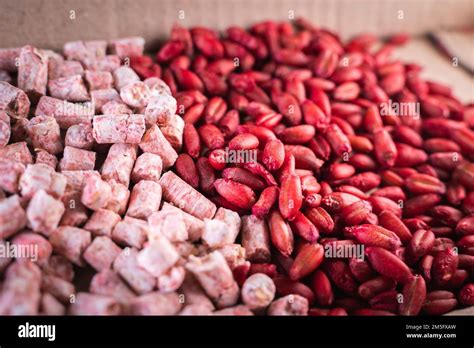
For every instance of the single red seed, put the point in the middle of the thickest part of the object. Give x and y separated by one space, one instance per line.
280 233
207 175
229 123
389 265
191 141
361 269
266 268
445 264
186 169
266 201
304 228
466 295
218 159
374 286
439 302
338 271
304 157
306 261
215 110
258 169
236 193
211 136
291 197
244 177
244 141
385 149
322 289
297 134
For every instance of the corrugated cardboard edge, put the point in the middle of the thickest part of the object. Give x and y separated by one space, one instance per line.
50 23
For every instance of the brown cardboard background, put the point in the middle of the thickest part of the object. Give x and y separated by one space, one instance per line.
46 23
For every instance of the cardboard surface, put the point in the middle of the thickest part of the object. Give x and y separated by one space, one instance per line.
438 67
50 23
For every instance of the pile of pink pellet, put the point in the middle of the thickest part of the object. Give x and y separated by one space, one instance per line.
275 170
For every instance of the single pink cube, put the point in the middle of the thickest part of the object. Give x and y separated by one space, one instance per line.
101 253
168 223
95 193
130 232
58 287
45 134
5 129
135 94
157 86
18 152
39 247
126 265
85 50
59 266
112 129
173 131
10 173
32 71
216 233
119 198
42 177
148 166
234 255
144 199
102 222
158 256
155 303
44 157
71 243
124 76
13 101
108 283
50 306
215 276
77 159
80 136
44 213
119 163
75 216
71 88
172 280
64 68
92 304
21 293
65 113
155 142
12 216
97 80
160 108
194 226
256 239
